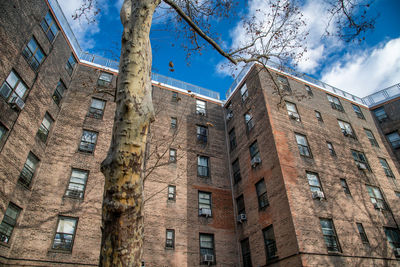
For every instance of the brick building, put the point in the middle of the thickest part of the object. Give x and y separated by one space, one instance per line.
287 171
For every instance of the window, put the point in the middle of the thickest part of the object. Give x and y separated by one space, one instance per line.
249 121
362 233
358 111
330 237
33 54
241 209
229 111
204 203
13 87
172 155
246 253
200 107
203 166
49 26
397 194
26 175
284 83
360 160
394 139
88 141
254 154
345 187
308 89
202 133
105 79
77 183
96 108
292 111
45 127
232 139
66 227
393 236
270 243
170 238
236 171
346 128
376 197
335 102
3 131
174 97
9 222
371 138
313 181
173 123
261 190
331 149
70 64
207 248
318 116
59 92
386 168
244 92
380 114
302 144
171 192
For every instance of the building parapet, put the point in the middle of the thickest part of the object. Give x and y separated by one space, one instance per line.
301 76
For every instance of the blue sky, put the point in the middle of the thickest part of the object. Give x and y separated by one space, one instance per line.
359 68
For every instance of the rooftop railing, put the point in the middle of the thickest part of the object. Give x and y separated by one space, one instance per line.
299 75
183 85
382 96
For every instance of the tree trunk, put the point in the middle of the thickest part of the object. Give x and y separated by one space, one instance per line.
122 229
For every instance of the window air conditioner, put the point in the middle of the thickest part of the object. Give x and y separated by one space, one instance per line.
208 258
17 102
229 116
294 116
318 195
255 161
205 212
378 206
361 166
241 217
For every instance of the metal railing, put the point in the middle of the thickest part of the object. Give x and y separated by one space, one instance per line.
382 95
65 26
299 75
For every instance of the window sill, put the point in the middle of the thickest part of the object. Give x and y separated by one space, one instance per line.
167 248
85 152
334 253
73 198
59 251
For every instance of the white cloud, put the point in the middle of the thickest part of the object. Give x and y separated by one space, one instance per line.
368 71
83 30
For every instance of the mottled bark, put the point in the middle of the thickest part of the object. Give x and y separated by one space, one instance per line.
122 230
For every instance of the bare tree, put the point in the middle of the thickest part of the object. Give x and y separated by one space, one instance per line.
274 32
350 19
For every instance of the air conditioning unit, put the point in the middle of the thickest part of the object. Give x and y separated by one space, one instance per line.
208 258
255 161
17 102
201 112
242 217
361 166
229 116
397 252
205 212
294 116
318 195
379 206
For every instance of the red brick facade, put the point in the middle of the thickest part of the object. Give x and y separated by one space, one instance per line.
272 191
